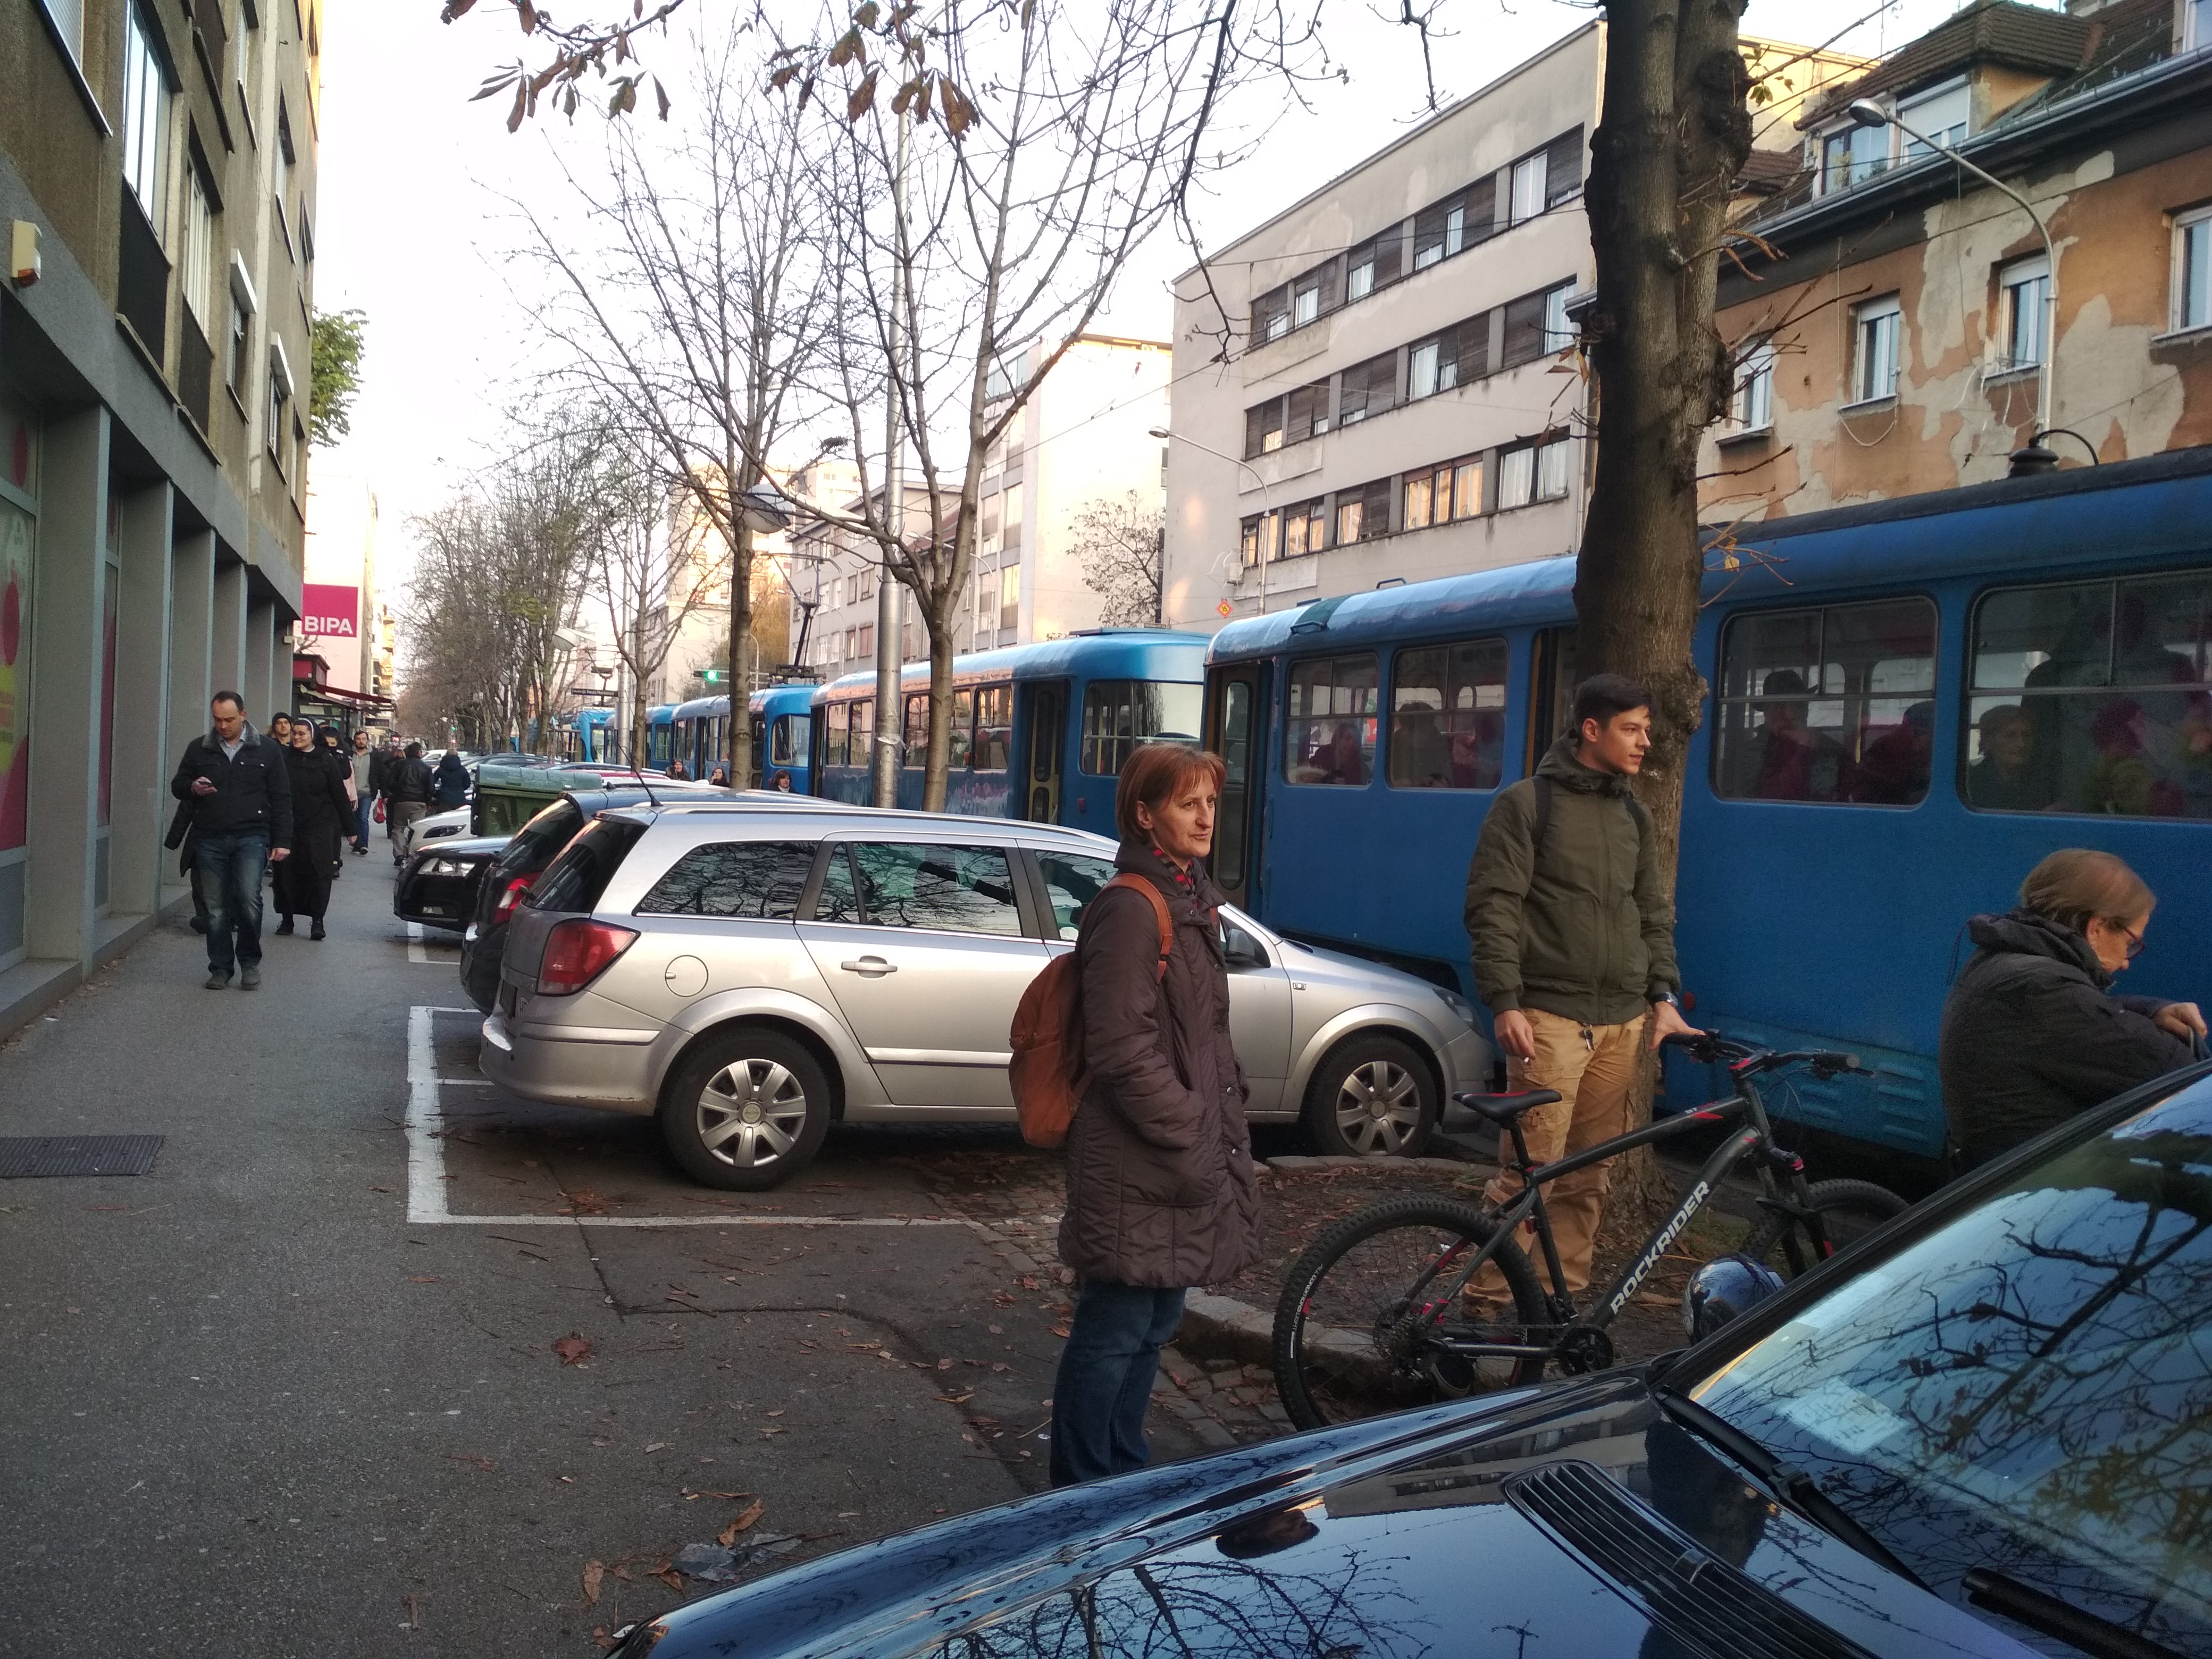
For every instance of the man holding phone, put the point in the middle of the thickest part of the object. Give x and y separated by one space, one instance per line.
241 802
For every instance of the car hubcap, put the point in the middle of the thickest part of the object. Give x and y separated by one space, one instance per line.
1377 1108
751 1113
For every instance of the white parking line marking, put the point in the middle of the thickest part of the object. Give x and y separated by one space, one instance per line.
418 940
426 1201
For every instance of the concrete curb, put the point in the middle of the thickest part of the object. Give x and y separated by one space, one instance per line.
1222 1327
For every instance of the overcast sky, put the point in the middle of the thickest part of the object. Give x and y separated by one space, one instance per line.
412 225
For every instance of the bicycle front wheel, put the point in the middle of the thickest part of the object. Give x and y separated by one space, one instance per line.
1848 1210
1370 1318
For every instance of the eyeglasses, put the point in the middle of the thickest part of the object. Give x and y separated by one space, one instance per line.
2134 939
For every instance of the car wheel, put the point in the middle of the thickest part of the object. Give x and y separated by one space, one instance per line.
747 1111
1373 1096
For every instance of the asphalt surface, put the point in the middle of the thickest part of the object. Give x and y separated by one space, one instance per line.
249 1407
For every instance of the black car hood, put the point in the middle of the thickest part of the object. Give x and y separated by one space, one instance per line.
1573 1520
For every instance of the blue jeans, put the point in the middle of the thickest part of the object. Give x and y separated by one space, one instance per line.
361 829
1105 1379
229 869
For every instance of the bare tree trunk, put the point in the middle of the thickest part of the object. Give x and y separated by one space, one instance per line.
1672 136
741 634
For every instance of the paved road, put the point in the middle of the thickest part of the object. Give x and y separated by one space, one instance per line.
283 1397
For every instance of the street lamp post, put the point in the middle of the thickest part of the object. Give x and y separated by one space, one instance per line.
1258 483
1865 112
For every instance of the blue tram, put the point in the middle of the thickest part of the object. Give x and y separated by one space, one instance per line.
699 734
591 734
1911 702
1039 732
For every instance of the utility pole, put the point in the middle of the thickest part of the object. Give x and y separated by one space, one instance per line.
890 656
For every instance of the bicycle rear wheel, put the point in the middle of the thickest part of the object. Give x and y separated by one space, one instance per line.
1358 1325
1848 1210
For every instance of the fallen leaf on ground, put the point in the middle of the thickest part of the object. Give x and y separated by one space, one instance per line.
738 1522
574 1349
1060 1330
690 1495
957 1399
424 1279
594 1572
658 1445
473 1459
778 1413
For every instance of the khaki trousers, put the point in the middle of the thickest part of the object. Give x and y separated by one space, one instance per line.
1594 1068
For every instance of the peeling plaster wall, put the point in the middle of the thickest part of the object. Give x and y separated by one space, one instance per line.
2125 389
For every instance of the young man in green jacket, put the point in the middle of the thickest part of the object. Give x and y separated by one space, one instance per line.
1574 948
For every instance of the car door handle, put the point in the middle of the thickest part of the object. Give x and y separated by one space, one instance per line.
870 967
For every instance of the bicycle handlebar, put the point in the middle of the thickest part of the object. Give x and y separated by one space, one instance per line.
1743 1058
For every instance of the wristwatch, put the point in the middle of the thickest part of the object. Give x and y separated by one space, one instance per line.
1670 999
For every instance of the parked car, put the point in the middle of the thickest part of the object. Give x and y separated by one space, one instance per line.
520 863
1980 1432
434 826
751 972
437 884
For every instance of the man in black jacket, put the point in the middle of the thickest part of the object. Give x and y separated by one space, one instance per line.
407 790
242 823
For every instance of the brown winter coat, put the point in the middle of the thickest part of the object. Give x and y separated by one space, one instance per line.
1160 1185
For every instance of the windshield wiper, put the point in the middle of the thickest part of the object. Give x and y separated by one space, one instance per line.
1796 1486
2061 1619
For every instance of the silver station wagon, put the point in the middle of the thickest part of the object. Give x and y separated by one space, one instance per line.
751 973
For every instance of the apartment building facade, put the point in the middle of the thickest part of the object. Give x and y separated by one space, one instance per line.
1894 321
1084 438
1381 383
157 188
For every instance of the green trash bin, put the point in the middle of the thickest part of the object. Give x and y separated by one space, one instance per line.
508 797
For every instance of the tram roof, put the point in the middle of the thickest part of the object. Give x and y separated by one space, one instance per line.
1151 654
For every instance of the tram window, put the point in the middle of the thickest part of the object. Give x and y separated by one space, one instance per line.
1329 734
745 880
1119 714
995 728
2093 698
791 734
1836 704
917 730
1448 716
837 741
964 730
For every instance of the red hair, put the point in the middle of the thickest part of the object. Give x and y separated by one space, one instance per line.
1154 775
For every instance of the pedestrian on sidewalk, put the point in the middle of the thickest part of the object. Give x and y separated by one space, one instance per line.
389 760
179 841
407 789
363 763
2032 1031
241 822
1161 1191
1573 929
450 782
317 779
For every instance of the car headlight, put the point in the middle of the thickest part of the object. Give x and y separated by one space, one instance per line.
1462 1009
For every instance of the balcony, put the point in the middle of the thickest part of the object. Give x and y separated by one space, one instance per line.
142 281
196 373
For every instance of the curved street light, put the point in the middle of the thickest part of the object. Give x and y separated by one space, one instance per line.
1865 112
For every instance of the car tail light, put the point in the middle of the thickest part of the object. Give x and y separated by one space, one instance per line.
517 891
577 952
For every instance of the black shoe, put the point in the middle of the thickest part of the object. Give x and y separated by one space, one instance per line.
318 932
285 925
216 981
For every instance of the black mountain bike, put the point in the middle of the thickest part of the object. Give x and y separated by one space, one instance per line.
1375 1316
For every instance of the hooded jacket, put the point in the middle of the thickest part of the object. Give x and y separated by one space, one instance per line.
1586 930
252 792
1161 1190
450 782
2031 1035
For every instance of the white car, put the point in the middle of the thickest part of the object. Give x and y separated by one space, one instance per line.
433 826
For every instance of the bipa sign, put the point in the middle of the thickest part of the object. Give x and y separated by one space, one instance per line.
328 612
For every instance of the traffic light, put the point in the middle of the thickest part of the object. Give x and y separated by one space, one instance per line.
712 676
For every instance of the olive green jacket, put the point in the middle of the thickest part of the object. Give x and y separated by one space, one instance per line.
1586 931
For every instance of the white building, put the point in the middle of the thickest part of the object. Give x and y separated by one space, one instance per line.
1393 393
1084 438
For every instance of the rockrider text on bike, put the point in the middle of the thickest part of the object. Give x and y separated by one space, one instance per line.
1573 931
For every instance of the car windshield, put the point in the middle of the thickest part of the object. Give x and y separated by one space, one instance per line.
2027 1390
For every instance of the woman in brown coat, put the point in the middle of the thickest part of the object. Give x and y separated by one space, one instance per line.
1160 1190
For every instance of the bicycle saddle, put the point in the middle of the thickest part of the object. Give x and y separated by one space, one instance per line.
1504 1109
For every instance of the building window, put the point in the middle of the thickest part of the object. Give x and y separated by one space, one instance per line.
1459 221
1559 333
1751 405
1263 428
1372 264
1528 324
1305 528
1563 167
1421 379
2192 259
1369 388
241 341
1532 472
196 265
1941 115
68 17
1329 734
1552 470
2024 289
1261 531
1526 198
2197 26
279 410
145 118
1878 333
1835 705
1448 716
1313 294
1437 495
1271 315
1363 515
1010 596
1853 156
1306 413
865 645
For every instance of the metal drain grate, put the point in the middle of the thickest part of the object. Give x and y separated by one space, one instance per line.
23 1156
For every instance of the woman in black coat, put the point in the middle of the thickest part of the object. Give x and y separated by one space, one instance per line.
2032 1033
318 808
449 784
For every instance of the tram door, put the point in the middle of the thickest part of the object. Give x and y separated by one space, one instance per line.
759 719
1551 692
1047 733
1234 699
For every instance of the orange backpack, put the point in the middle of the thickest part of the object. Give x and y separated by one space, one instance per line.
1046 1068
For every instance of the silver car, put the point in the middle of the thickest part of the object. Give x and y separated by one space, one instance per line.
750 973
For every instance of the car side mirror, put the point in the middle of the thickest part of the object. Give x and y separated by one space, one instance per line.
1239 950
1725 1288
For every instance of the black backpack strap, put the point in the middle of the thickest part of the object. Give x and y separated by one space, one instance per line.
1542 786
